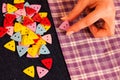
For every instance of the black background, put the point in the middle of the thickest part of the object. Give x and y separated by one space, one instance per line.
12 66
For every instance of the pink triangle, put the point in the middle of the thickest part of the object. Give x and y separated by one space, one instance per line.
28 56
4 9
47 38
21 12
64 26
36 7
17 15
41 71
10 30
32 26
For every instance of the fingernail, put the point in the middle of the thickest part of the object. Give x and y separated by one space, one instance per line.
69 33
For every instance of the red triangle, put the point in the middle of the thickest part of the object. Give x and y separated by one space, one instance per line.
37 17
30 11
27 21
20 5
7 23
45 21
3 31
47 62
10 17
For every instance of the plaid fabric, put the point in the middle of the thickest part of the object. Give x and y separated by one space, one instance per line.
88 58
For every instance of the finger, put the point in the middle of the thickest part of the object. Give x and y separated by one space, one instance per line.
102 32
79 7
87 21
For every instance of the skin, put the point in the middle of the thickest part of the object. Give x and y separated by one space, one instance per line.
96 10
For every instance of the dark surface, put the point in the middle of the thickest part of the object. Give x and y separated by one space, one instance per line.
11 65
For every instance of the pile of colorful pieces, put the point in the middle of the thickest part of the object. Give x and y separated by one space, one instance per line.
27 28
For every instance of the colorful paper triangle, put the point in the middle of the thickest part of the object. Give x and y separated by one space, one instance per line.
4 8
21 50
30 71
10 30
16 36
36 7
64 26
44 50
41 71
47 62
47 38
11 8
10 45
40 30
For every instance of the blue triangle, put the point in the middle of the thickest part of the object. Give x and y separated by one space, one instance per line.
44 50
26 4
16 36
40 30
21 50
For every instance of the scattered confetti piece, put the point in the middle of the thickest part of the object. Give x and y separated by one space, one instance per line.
19 5
30 71
41 71
3 31
33 51
43 14
27 20
18 1
47 62
44 50
21 12
32 26
21 50
47 38
64 26
30 11
37 17
4 10
10 30
26 4
10 45
16 37
40 30
36 7
11 8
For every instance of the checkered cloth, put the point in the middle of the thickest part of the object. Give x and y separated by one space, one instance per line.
88 58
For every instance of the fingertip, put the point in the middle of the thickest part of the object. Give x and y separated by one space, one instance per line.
68 33
64 18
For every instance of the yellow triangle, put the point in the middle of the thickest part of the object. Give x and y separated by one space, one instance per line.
33 51
30 71
41 42
11 8
46 27
18 1
17 27
43 14
10 45
24 30
26 40
32 35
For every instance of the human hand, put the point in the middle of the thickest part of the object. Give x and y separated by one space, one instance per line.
102 10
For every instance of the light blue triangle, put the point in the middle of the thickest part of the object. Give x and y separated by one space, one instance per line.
16 36
40 30
26 4
44 50
21 50
19 19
